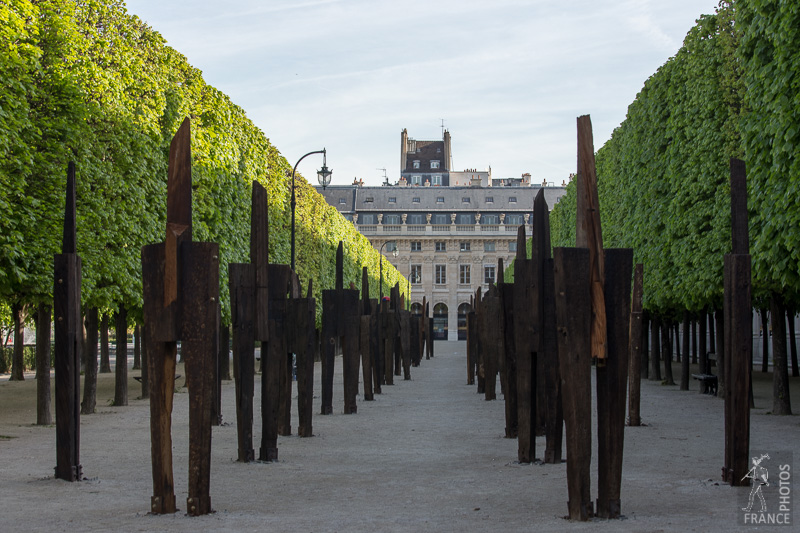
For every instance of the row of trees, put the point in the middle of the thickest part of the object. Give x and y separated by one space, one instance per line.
88 82
732 90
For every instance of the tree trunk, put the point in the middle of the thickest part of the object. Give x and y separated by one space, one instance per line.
765 340
224 352
702 349
90 374
655 348
43 417
19 312
105 363
686 359
793 344
720 334
677 330
121 367
712 344
645 346
666 353
137 347
145 366
694 343
781 404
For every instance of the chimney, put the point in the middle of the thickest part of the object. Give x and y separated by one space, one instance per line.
447 154
403 149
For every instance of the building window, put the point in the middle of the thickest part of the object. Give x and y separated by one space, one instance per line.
441 246
441 274
416 180
436 179
512 200
415 164
434 164
369 200
391 246
416 219
488 274
392 199
416 246
440 199
514 220
488 246
464 246
416 274
391 220
465 219
489 199
342 201
415 199
440 219
463 274
367 218
465 199
512 246
490 220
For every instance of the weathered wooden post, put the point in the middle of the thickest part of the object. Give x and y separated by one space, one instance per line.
573 319
249 289
472 342
67 351
612 380
302 336
549 396
510 367
527 340
181 285
388 331
635 362
477 348
367 343
340 320
738 335
490 331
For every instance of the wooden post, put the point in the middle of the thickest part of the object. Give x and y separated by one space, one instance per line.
90 376
527 340
634 373
510 355
67 350
685 361
121 366
302 335
612 379
242 290
589 234
43 398
367 337
655 349
573 318
181 286
491 334
666 352
738 335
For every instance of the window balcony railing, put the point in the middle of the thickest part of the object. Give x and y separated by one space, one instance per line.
492 227
416 228
367 229
465 228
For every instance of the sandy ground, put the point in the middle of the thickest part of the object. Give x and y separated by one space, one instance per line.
427 455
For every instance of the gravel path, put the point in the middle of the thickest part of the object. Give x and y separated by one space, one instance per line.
427 455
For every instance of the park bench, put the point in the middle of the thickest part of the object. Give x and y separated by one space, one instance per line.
708 381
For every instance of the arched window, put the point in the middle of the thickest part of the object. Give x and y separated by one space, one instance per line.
463 309
416 308
440 322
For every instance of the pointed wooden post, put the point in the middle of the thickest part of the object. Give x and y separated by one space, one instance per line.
738 335
588 232
510 353
635 362
242 291
302 340
490 331
181 286
67 351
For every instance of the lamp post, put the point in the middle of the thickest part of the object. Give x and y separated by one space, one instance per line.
324 178
394 254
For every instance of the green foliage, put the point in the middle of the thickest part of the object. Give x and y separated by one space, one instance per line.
86 81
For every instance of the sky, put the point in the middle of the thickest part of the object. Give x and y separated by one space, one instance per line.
507 78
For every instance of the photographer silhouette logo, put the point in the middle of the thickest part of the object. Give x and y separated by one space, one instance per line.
769 501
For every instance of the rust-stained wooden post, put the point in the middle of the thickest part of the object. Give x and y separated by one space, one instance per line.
367 337
635 363
387 345
302 340
181 286
573 319
612 381
527 340
249 290
738 335
472 341
490 331
340 320
405 342
589 234
67 350
510 355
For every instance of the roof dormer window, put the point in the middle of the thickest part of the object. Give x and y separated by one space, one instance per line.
435 164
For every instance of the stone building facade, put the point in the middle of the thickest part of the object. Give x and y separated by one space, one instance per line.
449 239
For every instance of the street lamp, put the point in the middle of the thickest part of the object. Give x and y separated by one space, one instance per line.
324 178
394 254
